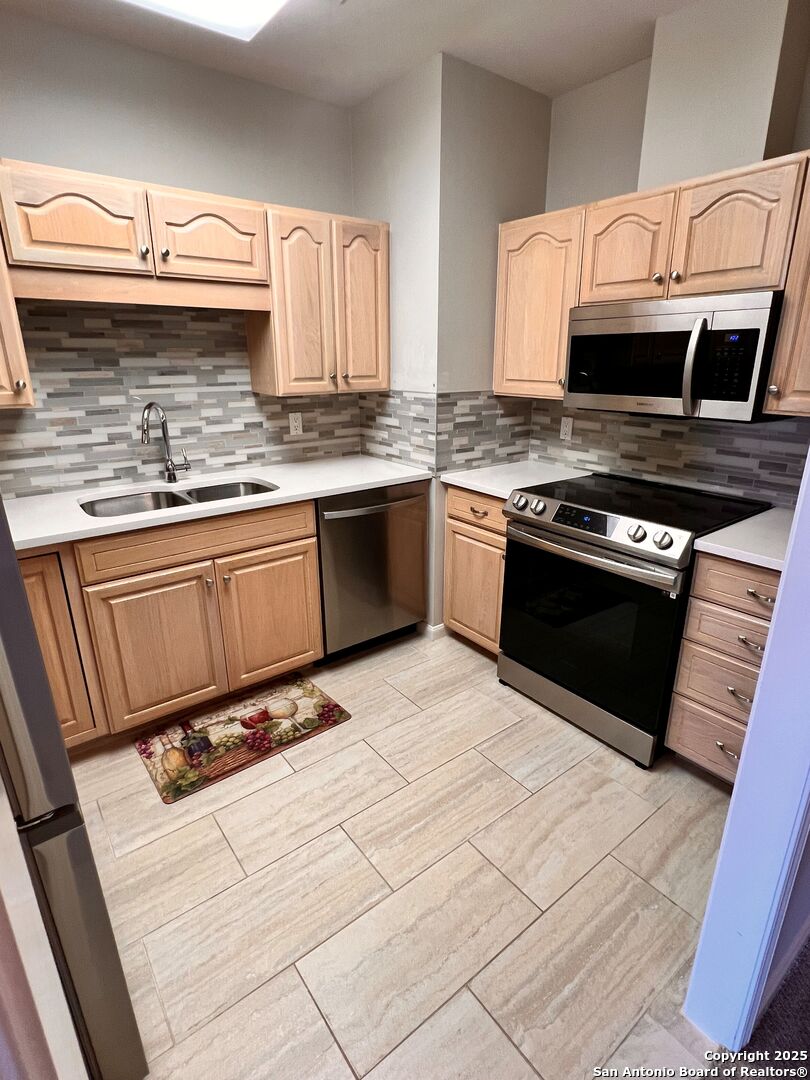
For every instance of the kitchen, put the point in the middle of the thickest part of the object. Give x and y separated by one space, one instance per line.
338 467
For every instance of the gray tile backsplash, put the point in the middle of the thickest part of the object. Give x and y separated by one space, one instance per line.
476 429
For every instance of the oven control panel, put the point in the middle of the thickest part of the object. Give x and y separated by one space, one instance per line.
588 520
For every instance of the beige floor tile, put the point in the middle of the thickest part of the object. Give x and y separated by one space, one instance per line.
459 1042
553 839
137 817
373 707
156 883
650 1046
668 775
282 817
275 1033
510 699
676 849
569 989
349 675
385 973
155 1034
109 770
538 749
414 827
211 957
666 1011
428 739
447 668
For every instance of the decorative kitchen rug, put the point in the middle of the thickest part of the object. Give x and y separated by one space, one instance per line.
199 750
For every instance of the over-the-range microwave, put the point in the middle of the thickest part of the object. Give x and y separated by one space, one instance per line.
704 356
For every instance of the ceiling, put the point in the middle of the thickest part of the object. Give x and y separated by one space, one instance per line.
343 51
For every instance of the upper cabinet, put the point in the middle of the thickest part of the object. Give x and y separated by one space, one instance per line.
15 380
734 232
206 238
538 283
362 336
625 253
60 219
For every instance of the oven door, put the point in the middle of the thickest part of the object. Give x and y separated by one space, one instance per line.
605 628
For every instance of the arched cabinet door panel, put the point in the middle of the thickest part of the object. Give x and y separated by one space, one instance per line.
625 253
362 336
56 218
301 280
225 240
538 284
735 233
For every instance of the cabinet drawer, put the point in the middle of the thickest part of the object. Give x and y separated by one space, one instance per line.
740 636
105 558
738 585
475 509
710 740
716 680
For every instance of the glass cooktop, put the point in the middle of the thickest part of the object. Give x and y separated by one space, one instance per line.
697 512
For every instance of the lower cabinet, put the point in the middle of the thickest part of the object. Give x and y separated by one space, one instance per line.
473 582
50 611
271 611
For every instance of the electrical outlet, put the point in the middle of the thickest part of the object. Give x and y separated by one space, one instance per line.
296 424
566 428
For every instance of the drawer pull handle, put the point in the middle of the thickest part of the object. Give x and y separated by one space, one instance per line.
751 644
479 513
740 697
761 596
722 746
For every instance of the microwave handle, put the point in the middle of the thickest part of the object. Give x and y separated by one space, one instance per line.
689 366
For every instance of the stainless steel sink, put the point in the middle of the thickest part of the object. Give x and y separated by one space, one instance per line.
235 490
136 503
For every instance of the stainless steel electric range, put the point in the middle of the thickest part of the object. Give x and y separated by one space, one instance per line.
596 585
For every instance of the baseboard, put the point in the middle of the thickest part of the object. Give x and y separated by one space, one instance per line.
431 632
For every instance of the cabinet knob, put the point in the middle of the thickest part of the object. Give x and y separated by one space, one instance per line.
226 578
675 275
209 581
144 250
773 389
561 382
344 375
333 375
657 278
164 253
20 384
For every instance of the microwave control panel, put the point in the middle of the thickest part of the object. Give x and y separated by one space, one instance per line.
727 371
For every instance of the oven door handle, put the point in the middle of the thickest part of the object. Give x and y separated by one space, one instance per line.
689 366
671 580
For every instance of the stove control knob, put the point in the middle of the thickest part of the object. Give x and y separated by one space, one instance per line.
520 502
663 540
538 506
637 533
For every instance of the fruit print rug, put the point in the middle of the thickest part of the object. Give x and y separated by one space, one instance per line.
199 750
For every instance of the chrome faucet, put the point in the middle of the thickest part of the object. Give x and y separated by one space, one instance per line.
171 467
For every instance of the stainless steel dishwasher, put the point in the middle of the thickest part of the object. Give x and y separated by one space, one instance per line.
373 562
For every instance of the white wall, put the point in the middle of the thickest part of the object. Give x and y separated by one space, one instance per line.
396 158
596 134
714 69
70 99
494 158
801 137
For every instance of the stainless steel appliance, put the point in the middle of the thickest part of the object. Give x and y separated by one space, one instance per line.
596 584
54 839
705 356
373 546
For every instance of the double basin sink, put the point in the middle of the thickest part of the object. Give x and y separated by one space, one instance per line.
139 502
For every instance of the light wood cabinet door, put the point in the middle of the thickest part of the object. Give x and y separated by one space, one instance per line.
538 284
204 238
625 253
57 641
734 233
301 280
15 379
158 643
473 583
58 218
271 611
362 334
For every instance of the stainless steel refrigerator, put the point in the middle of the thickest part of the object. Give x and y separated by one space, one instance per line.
37 774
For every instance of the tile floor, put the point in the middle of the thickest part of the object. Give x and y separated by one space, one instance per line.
455 883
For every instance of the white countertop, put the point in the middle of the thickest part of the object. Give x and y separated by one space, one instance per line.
39 520
501 480
761 540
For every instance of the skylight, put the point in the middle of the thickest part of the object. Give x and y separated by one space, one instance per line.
241 19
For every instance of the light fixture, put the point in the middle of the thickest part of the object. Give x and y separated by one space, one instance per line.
241 19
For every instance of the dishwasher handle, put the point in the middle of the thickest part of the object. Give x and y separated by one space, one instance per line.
364 511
